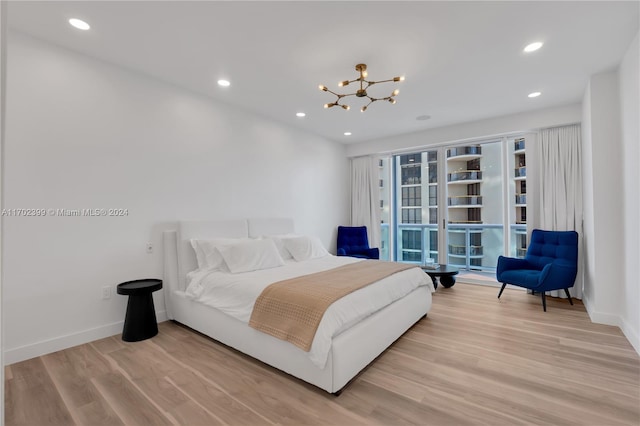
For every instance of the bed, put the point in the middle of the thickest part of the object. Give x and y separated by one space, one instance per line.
349 351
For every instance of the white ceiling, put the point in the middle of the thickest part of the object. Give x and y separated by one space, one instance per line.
463 61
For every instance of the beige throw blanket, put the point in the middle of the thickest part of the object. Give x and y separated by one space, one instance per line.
291 310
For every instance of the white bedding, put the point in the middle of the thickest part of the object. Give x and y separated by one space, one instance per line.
235 295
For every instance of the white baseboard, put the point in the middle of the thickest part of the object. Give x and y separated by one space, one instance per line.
609 319
600 317
48 346
632 335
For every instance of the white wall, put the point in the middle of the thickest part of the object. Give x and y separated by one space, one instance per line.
82 133
508 124
3 62
588 225
605 263
611 155
629 75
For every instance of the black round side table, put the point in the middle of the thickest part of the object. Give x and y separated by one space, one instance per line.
446 274
140 321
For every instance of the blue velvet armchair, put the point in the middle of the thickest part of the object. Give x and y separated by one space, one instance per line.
551 263
353 241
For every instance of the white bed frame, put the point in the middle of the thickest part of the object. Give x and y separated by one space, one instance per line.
351 351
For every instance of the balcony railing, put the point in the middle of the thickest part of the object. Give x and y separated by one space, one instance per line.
468 256
464 150
464 175
465 200
521 198
521 171
518 240
462 250
519 144
412 181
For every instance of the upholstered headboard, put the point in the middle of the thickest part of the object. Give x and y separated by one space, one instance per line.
270 226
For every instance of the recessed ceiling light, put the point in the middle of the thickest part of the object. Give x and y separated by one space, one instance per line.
300 114
423 117
347 133
534 94
533 46
224 83
79 24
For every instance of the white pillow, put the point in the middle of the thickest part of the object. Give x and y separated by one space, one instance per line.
305 248
207 252
200 257
251 256
279 241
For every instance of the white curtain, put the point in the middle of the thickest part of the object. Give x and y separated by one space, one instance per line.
365 196
558 157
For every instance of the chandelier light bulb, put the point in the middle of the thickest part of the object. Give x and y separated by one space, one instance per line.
328 105
343 83
395 92
393 101
345 107
363 109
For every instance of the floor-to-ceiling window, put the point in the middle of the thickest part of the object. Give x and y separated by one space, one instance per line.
385 206
431 230
481 188
475 205
416 206
518 192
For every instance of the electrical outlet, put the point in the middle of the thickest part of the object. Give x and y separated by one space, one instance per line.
149 247
106 292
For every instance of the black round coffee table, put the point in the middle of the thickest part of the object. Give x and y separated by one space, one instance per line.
446 274
140 321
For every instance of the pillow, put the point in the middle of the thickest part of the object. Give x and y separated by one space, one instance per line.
207 252
251 256
305 248
200 257
279 241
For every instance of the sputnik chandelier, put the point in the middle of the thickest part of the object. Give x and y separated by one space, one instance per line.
362 92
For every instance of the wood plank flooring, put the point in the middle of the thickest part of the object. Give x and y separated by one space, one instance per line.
473 360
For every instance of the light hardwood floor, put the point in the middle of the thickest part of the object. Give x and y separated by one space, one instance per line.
473 360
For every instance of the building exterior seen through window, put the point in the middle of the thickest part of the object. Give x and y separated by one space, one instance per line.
449 204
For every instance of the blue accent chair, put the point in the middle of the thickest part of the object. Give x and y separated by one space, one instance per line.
353 242
551 263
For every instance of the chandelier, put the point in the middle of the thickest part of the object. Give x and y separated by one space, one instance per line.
362 92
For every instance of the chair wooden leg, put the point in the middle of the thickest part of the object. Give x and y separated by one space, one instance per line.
502 289
544 301
566 291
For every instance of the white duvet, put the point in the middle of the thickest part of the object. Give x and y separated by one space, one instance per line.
235 295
